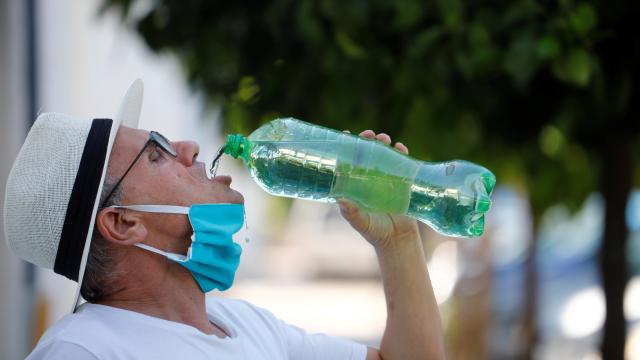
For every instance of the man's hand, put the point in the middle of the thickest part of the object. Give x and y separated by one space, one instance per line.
413 329
382 230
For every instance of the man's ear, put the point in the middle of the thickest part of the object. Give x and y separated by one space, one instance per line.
120 226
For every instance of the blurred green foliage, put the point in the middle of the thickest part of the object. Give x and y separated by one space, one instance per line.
542 92
524 87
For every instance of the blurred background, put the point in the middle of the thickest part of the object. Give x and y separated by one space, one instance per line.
540 92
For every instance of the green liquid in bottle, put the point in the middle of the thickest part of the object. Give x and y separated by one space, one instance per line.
288 157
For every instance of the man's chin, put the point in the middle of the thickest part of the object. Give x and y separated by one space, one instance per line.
222 179
230 196
239 198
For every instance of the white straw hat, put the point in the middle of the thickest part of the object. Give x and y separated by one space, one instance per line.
54 187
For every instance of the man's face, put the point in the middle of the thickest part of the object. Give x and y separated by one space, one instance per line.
159 178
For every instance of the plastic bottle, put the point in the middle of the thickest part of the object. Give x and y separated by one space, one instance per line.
289 157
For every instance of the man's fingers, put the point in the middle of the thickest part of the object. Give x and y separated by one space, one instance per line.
400 146
348 209
358 219
368 134
384 138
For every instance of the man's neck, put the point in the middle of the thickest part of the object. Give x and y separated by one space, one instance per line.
173 296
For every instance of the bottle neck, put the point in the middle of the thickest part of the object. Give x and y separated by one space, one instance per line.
237 146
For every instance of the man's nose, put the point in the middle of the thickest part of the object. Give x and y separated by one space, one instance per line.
187 151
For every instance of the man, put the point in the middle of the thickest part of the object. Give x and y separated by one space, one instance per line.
114 208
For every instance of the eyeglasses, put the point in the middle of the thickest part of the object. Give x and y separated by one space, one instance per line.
156 139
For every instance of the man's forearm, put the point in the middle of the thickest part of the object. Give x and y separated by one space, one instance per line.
413 329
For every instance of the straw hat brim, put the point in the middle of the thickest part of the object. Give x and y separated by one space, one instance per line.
128 115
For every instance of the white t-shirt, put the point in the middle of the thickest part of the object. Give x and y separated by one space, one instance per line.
104 332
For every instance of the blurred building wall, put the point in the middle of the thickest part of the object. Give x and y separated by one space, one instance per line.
15 333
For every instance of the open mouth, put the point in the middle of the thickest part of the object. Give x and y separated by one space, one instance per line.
223 179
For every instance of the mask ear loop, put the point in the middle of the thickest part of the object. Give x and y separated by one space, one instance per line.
168 255
163 209
160 209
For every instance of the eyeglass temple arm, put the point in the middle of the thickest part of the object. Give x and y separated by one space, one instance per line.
113 189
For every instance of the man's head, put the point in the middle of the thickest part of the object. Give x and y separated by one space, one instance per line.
68 164
156 176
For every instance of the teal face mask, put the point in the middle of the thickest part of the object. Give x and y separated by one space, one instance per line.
213 256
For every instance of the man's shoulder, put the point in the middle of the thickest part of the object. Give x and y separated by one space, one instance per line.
61 349
72 326
73 331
